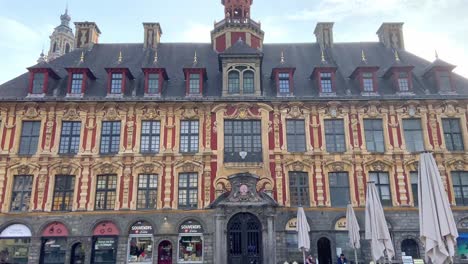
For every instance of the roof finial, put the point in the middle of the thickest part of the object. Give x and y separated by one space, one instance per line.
282 57
156 56
195 58
66 8
323 56
397 57
363 56
120 57
436 55
82 57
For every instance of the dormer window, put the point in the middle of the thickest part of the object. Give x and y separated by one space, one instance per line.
153 83
403 81
77 83
116 83
283 83
38 84
194 84
368 81
233 82
248 82
445 81
326 82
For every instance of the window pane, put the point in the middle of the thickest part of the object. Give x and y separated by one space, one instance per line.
147 191
299 189
38 83
189 136
413 135
153 83
21 194
110 137
373 130
233 82
188 190
29 137
334 135
70 138
194 83
105 192
63 193
248 82
116 83
150 136
339 189
242 141
295 134
326 82
382 185
283 79
414 186
77 83
368 82
452 134
460 187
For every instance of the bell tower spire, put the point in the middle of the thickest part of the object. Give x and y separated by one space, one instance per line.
236 25
62 39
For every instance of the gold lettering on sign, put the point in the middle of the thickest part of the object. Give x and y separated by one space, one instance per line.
291 224
340 225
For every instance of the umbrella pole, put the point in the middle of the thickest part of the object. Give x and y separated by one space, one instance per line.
355 256
303 255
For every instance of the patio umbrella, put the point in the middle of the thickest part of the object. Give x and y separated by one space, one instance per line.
376 226
437 226
353 230
303 230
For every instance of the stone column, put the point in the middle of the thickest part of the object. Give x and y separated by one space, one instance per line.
270 251
220 256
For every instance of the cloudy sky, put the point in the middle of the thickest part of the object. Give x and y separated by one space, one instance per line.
429 24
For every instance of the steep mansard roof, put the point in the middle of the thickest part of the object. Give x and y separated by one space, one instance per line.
175 56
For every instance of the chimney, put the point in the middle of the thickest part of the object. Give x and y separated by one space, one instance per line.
86 34
391 35
153 34
324 34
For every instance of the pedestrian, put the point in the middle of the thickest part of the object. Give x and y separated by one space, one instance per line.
310 260
342 260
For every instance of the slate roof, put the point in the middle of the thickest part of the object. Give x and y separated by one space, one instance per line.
175 56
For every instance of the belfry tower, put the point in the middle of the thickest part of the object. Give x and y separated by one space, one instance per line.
62 39
236 25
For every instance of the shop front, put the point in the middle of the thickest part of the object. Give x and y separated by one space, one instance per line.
190 242
165 252
140 243
14 244
105 238
54 243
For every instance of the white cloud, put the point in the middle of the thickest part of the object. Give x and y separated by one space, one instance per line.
196 32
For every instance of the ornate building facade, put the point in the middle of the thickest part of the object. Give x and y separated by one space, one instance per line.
200 153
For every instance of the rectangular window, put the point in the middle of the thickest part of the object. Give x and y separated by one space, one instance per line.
413 135
368 81
414 186
444 81
150 136
38 83
189 136
403 81
326 82
194 83
295 134
29 137
334 135
453 134
106 186
188 190
153 83
110 137
242 141
283 83
63 193
76 83
248 83
373 129
299 189
147 191
21 195
116 83
70 138
460 187
339 189
382 183
233 82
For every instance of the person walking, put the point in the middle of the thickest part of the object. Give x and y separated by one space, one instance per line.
310 260
342 259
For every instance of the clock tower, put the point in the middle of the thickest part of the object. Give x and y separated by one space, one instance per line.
236 25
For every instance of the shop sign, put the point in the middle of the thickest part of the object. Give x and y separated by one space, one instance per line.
16 230
190 227
141 228
291 224
340 225
407 259
104 243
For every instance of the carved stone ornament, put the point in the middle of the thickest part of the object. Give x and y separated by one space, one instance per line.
148 168
298 166
31 112
107 169
411 110
71 114
23 169
379 166
65 169
450 110
337 166
372 111
190 113
244 192
459 165
112 114
188 167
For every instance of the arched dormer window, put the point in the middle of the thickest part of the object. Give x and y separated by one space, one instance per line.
248 83
67 48
55 47
233 82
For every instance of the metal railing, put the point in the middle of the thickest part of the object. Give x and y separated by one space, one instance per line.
237 21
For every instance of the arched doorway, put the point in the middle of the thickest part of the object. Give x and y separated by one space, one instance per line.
410 247
244 239
165 252
324 251
77 254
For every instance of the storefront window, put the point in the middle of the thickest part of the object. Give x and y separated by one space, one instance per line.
190 242
14 244
462 246
140 243
53 250
104 249
78 254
